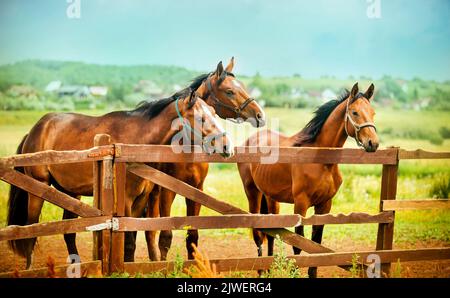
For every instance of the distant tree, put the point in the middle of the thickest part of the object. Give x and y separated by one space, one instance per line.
415 94
440 100
392 87
282 88
116 93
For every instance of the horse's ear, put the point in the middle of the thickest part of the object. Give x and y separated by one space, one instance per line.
354 91
230 65
369 92
219 69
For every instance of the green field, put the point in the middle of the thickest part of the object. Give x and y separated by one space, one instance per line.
361 188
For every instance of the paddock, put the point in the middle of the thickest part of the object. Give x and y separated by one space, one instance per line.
106 220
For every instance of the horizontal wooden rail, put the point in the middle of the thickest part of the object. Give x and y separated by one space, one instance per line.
352 218
199 196
313 260
56 157
164 153
93 268
208 222
48 193
416 204
50 228
422 154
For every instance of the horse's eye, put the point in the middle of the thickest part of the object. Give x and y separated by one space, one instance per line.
355 113
229 92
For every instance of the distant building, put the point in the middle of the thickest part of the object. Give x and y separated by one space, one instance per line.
255 92
149 88
98 90
421 104
296 93
313 94
328 94
53 86
75 91
22 91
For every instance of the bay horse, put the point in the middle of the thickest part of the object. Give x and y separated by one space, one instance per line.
231 101
309 185
154 122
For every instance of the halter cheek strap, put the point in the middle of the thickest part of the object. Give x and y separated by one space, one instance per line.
206 141
236 109
356 126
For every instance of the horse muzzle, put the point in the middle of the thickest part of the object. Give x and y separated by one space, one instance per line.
370 146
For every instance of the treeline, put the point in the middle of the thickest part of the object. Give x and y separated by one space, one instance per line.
22 86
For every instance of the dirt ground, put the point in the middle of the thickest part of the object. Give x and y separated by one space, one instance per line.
214 246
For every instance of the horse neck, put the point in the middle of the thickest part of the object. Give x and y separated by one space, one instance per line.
159 129
202 92
333 132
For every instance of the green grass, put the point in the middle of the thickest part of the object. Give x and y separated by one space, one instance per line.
360 191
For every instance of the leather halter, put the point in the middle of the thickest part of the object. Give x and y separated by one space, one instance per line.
356 126
238 110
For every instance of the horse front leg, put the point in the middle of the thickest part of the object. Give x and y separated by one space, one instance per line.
152 211
166 198
136 196
301 202
193 209
317 231
273 208
70 239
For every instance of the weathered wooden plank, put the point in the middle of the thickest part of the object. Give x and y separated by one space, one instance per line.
48 193
56 157
313 260
352 218
183 189
66 226
87 269
107 207
416 204
208 222
118 237
198 196
385 235
422 154
99 140
164 153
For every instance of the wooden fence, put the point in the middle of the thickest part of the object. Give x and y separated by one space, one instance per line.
106 218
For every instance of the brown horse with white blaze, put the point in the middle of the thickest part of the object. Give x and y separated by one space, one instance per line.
309 185
231 101
154 122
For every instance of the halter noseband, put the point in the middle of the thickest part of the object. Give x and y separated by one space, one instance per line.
206 141
238 110
357 127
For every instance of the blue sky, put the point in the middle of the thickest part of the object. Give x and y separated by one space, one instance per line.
312 38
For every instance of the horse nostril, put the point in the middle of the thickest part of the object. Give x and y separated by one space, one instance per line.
225 149
259 116
370 144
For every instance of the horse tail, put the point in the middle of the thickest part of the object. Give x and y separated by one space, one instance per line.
18 209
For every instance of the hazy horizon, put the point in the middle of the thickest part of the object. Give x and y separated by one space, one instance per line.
311 38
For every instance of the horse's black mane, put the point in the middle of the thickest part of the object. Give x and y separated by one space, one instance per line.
153 108
310 132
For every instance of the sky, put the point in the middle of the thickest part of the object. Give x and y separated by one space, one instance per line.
403 38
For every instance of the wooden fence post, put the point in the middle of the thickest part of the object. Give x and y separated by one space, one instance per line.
104 200
385 236
118 238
